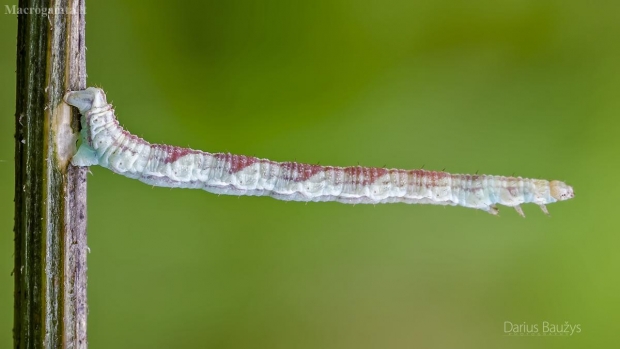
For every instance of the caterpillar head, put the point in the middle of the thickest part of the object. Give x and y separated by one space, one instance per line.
561 191
86 100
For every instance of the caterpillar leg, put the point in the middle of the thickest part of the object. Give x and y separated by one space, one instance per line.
519 211
544 209
85 156
493 210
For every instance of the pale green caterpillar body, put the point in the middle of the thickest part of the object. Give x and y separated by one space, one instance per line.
106 143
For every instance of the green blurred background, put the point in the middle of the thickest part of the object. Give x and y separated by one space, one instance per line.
524 87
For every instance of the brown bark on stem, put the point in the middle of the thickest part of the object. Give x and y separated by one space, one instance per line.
50 194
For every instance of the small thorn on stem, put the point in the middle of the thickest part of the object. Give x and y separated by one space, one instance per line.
519 211
544 209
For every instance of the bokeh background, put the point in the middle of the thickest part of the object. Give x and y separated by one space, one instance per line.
524 87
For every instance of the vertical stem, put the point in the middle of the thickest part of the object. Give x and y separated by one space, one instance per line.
50 194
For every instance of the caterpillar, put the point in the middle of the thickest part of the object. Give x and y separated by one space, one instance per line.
106 143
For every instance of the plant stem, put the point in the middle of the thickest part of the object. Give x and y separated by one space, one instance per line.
50 194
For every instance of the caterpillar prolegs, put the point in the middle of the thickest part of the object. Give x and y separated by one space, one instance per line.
107 144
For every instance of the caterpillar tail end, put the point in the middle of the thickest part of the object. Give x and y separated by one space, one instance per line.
87 99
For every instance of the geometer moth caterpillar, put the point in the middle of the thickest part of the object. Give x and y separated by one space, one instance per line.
106 143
